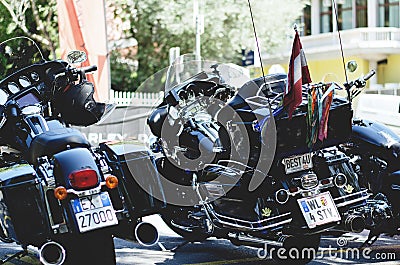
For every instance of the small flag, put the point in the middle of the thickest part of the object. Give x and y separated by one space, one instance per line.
298 75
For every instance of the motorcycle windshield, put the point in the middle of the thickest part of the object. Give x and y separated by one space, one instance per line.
18 53
186 68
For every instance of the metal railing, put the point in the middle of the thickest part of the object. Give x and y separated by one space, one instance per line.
384 89
124 98
371 40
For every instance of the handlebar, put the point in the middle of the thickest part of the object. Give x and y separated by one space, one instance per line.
369 75
359 84
69 75
89 69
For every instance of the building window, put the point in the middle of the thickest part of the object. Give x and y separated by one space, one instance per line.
345 16
389 13
326 16
361 13
351 14
305 21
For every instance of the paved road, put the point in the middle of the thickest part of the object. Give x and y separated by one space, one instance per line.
220 252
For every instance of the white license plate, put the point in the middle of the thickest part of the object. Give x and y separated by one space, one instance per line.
94 211
297 163
319 210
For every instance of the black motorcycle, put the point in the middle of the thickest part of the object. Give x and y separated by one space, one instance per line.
61 198
243 171
374 151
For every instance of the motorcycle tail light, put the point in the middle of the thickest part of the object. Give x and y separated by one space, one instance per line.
84 179
111 182
60 193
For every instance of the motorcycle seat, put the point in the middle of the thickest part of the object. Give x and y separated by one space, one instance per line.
54 141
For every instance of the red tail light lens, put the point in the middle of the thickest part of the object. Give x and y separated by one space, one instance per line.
83 179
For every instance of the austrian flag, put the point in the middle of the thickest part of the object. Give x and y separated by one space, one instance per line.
298 75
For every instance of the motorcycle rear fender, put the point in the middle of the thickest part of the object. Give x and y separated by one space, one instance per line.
71 160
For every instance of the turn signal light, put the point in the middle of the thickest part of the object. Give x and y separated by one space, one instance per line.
84 179
60 193
111 182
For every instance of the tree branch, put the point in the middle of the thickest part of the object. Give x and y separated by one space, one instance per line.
21 22
45 40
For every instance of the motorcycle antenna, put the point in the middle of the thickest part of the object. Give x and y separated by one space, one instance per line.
340 39
258 46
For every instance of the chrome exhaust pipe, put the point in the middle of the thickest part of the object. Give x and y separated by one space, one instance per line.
52 253
146 234
354 223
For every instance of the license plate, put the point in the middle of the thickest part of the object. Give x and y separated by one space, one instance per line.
297 163
319 210
94 211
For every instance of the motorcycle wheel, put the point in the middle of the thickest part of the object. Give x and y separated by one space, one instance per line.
294 247
92 248
177 216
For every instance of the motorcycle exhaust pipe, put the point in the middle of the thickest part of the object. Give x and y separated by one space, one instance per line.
52 253
354 223
146 234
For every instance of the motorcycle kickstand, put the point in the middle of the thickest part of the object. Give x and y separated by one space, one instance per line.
372 237
17 255
174 249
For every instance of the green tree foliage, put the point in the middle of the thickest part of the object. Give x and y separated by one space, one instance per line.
32 18
160 25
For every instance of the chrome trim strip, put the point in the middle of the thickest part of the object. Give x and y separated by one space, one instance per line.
247 225
363 196
261 241
350 195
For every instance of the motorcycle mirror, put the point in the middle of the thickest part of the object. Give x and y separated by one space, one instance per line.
352 66
76 56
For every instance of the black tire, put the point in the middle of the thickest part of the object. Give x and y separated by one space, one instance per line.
175 215
306 245
91 248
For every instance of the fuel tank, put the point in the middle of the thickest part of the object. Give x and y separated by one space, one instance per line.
374 133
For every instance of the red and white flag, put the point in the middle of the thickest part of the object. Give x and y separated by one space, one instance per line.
298 75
